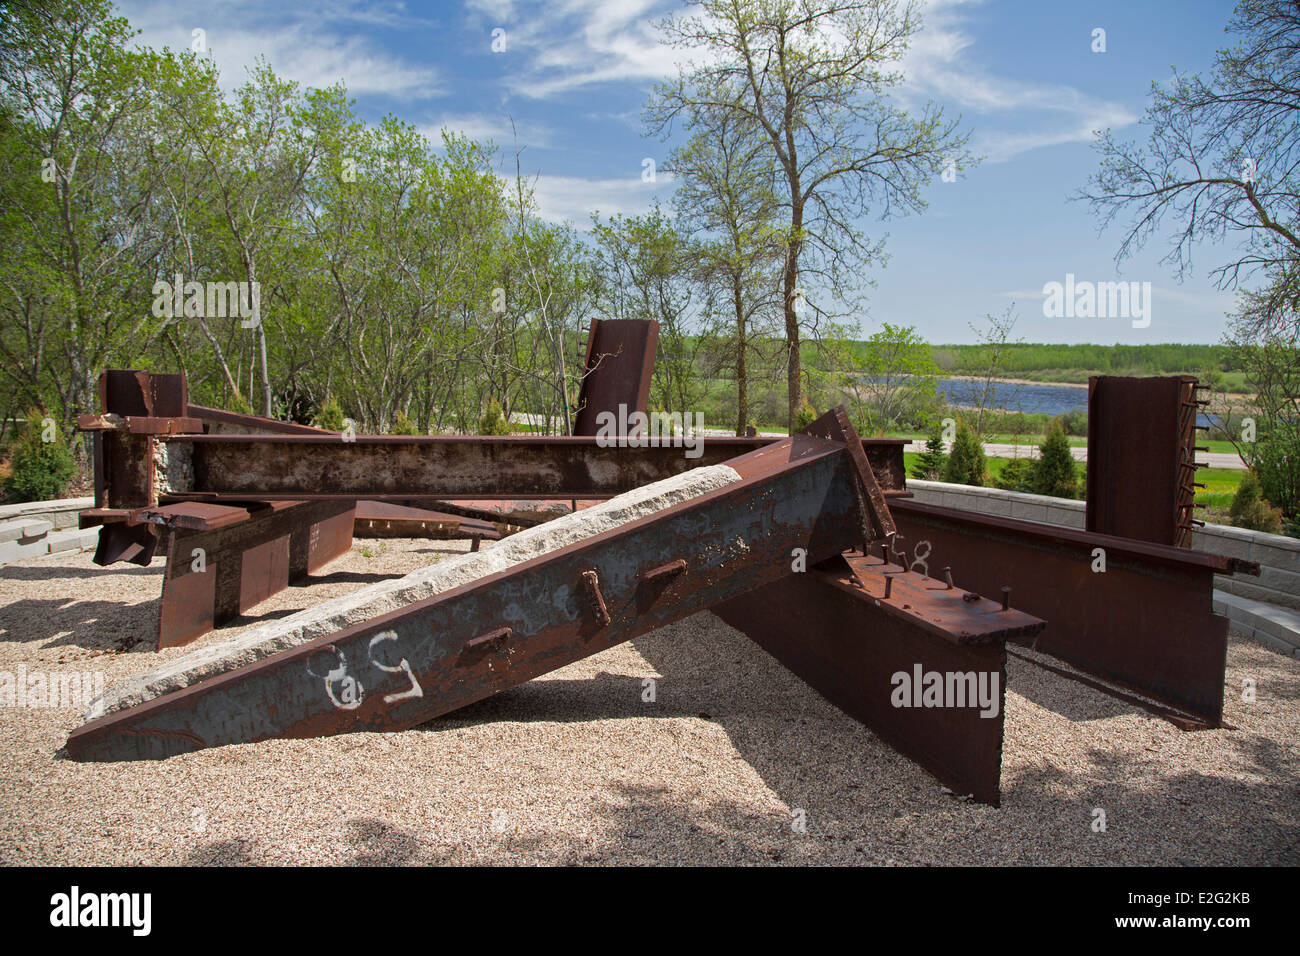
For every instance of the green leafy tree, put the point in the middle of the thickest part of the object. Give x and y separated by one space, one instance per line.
403 425
493 421
807 415
814 77
1054 472
931 463
1016 475
727 203
38 470
895 380
966 462
330 416
1251 510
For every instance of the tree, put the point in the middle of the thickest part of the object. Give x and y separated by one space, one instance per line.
813 76
643 265
1269 351
1016 475
895 380
987 361
1054 472
1223 163
75 106
726 199
966 462
1249 509
931 463
38 470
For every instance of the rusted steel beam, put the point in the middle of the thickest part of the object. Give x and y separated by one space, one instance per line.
218 421
1145 622
409 468
835 628
404 668
228 566
619 366
1141 467
259 458
379 519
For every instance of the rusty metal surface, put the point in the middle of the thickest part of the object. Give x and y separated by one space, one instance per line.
1146 622
218 421
431 657
849 642
131 392
244 563
118 541
191 515
383 519
835 426
448 467
1141 435
617 370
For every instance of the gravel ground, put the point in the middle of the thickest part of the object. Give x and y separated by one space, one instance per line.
576 767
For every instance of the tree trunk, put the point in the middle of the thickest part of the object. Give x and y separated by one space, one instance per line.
793 378
742 397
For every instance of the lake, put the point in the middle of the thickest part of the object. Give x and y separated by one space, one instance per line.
1052 399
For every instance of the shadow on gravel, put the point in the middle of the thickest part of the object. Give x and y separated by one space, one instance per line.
55 572
94 625
862 802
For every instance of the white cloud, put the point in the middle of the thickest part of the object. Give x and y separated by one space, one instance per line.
315 51
561 198
490 126
553 48
1021 116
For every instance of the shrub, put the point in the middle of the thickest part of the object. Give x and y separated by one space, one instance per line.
966 463
930 464
404 426
330 416
806 416
493 421
1054 472
1017 475
38 470
1075 422
241 405
1250 510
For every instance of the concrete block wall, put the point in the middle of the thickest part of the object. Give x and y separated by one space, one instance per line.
35 528
993 501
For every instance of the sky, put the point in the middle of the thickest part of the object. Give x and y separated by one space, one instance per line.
573 76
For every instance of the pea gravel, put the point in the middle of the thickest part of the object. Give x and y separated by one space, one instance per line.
722 766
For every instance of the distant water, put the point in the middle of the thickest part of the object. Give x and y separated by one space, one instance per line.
1052 399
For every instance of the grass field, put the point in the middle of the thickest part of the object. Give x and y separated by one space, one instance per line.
1220 483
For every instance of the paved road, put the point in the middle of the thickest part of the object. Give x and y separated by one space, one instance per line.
996 450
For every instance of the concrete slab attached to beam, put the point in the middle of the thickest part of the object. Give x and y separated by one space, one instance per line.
386 596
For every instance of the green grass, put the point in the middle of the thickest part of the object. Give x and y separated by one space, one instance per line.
1220 483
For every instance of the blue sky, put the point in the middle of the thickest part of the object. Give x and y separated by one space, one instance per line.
575 74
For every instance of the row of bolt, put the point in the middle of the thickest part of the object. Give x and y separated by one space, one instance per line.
887 550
